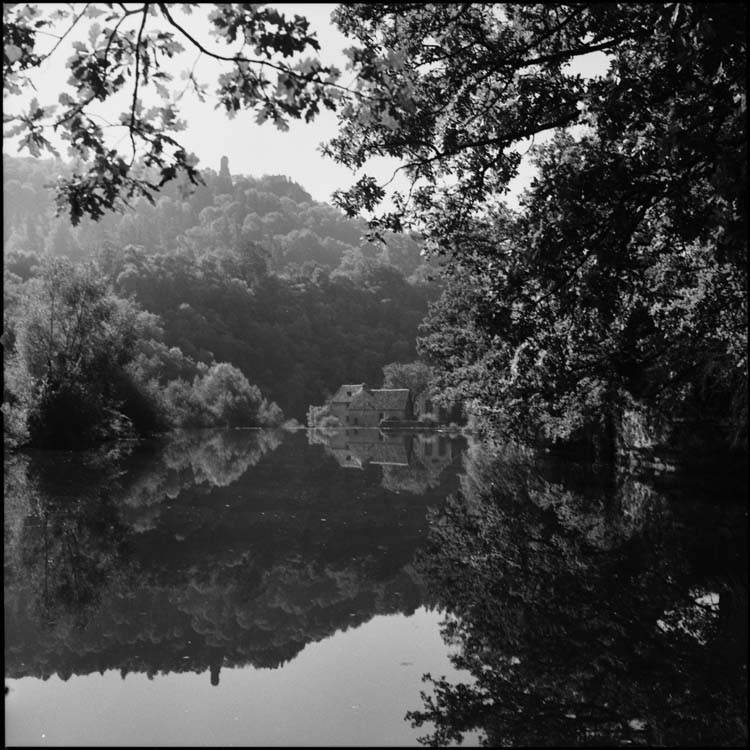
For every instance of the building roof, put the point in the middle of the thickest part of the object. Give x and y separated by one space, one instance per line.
388 454
359 396
391 398
346 458
363 399
342 394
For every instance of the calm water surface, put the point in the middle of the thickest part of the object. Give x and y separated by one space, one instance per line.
267 588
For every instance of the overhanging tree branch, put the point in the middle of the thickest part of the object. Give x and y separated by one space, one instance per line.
69 29
309 78
134 105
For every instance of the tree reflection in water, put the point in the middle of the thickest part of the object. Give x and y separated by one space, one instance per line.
64 539
585 620
202 550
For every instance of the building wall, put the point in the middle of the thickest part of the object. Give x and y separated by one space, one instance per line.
339 410
362 418
370 417
394 413
433 449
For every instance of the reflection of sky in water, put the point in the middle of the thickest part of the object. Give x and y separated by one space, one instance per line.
350 689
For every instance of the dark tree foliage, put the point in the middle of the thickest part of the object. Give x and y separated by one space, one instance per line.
283 288
416 376
587 614
468 82
66 374
83 364
624 275
297 338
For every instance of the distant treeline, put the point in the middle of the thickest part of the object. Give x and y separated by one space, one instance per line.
283 295
273 212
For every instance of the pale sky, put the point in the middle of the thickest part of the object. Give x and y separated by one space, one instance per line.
255 149
252 149
262 149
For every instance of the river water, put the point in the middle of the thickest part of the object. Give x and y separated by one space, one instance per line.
364 588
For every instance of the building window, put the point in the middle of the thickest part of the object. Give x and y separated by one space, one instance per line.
347 420
428 449
356 420
381 414
428 405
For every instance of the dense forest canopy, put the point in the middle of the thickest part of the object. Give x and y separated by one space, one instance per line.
619 284
248 284
622 279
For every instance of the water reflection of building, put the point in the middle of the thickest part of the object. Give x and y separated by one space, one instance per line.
433 449
224 576
411 462
355 448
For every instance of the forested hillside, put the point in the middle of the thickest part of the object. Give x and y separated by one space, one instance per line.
227 213
253 273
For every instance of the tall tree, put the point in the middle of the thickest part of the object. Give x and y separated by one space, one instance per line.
415 376
73 339
585 618
625 273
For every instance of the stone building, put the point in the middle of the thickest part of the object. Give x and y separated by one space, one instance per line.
360 406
